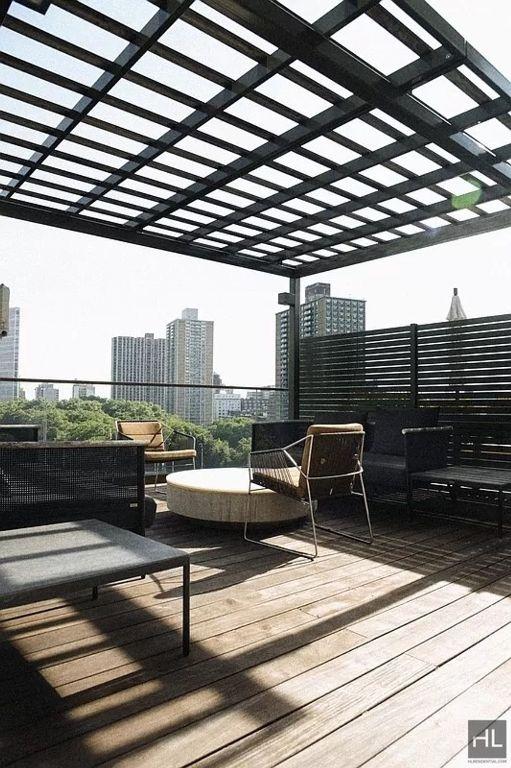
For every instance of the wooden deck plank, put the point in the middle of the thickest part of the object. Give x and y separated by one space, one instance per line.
488 699
400 713
152 637
268 632
319 647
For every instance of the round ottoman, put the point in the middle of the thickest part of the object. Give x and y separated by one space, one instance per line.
221 495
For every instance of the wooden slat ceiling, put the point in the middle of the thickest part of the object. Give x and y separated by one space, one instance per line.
290 138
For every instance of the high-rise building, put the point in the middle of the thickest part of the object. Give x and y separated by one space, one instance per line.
4 310
139 359
325 315
259 404
9 357
226 403
46 391
83 390
190 361
320 315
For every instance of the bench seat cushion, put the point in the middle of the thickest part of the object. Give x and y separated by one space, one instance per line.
384 470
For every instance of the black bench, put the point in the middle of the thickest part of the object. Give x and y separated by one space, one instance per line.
427 455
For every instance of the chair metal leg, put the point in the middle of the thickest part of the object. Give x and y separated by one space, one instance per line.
409 498
186 608
368 518
295 552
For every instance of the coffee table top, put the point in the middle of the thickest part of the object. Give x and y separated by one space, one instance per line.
35 561
230 480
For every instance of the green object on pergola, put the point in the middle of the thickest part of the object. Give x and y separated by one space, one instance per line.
253 133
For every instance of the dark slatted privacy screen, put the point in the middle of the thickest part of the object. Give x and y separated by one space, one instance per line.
462 367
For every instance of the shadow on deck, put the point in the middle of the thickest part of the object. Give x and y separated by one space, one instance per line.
277 643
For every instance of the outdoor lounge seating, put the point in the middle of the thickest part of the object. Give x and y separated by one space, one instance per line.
157 451
384 447
384 459
331 461
427 455
107 554
43 483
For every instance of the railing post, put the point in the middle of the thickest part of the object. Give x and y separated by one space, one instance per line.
414 367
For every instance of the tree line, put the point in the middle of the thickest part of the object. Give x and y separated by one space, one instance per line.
224 443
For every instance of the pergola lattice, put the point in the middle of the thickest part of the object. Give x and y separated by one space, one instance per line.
291 138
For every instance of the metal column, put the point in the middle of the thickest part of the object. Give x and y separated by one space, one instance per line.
294 348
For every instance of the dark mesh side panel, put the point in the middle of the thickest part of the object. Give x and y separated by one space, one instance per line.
54 482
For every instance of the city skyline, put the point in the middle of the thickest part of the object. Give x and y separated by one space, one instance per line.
399 290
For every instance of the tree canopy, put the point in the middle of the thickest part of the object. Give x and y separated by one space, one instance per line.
224 443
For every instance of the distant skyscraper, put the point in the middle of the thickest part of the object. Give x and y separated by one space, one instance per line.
4 309
46 391
9 357
259 404
139 359
83 390
190 361
226 403
320 315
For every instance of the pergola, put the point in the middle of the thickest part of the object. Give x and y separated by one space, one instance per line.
290 138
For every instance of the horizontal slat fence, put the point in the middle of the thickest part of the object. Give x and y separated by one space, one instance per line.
464 368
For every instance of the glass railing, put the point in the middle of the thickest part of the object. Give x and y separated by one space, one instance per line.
220 418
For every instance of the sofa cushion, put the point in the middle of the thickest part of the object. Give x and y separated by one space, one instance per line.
388 425
384 471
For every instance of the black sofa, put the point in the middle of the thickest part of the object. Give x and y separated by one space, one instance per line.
15 433
51 482
384 455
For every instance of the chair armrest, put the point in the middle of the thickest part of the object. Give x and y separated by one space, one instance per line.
271 458
426 447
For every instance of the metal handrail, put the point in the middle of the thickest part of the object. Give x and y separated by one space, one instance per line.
42 379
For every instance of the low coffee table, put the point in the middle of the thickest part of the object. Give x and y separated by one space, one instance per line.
221 495
49 560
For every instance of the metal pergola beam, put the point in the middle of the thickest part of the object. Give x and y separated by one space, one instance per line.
61 220
480 226
276 203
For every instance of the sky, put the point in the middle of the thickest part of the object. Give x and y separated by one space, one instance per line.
76 291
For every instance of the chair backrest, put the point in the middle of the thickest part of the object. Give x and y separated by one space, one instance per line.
331 450
148 432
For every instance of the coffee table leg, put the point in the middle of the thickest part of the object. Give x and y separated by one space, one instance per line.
186 608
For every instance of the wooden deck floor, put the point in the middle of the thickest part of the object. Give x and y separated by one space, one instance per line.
372 656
